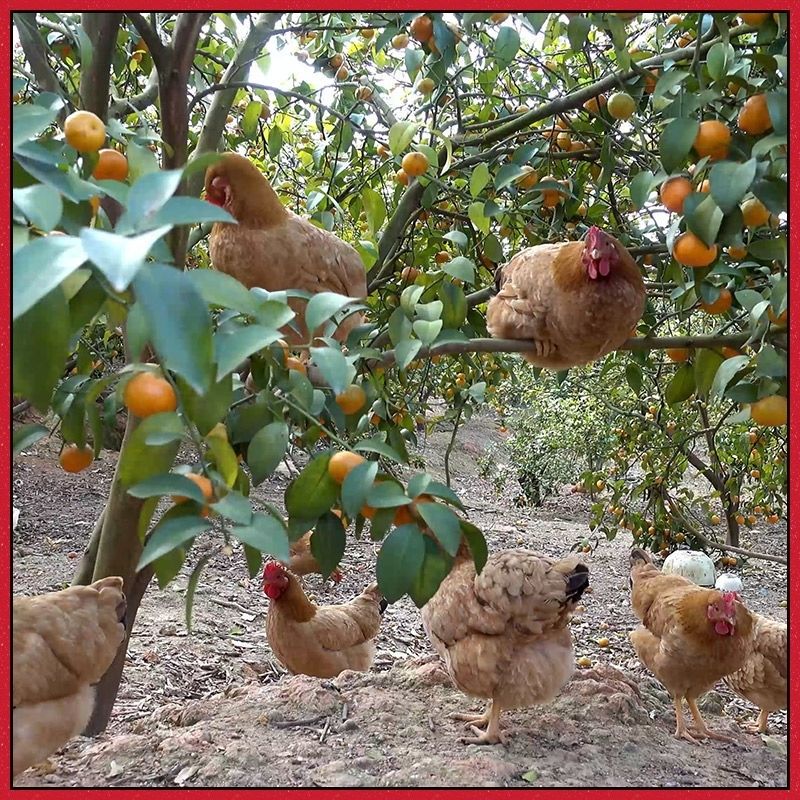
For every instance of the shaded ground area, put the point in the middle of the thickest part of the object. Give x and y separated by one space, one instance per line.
214 708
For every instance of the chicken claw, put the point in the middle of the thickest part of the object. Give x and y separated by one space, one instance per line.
701 730
484 737
490 718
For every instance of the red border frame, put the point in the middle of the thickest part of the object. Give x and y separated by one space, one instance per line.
377 794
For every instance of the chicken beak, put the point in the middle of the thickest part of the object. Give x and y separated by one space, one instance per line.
594 254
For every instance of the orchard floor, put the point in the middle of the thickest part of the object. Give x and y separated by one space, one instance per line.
214 708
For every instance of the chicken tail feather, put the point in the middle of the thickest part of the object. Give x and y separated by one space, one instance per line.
577 582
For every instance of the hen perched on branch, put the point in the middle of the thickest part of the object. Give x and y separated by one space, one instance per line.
275 249
63 642
576 301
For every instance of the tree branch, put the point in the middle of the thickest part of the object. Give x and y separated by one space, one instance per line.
35 51
637 344
139 102
158 50
101 30
214 122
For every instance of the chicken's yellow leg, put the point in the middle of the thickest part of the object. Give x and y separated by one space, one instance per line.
681 731
492 733
702 730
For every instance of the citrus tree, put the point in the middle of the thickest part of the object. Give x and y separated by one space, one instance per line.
439 145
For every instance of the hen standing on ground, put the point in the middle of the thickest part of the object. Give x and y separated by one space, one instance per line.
321 641
273 248
503 634
576 301
690 638
63 642
764 678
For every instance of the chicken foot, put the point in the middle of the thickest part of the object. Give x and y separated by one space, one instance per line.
760 725
701 730
681 731
490 718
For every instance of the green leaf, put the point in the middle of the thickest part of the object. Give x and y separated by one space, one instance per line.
718 58
172 531
399 326
39 267
730 182
40 339
681 386
141 160
725 374
454 305
748 298
479 179
313 491
770 362
462 268
435 567
29 121
266 534
191 587
40 204
633 374
235 507
225 459
706 364
167 567
426 330
703 218
478 218
274 141
328 543
772 192
27 435
336 370
253 558
266 449
375 209
210 408
168 483
119 258
147 196
188 211
668 80
506 45
413 58
577 32
406 351
233 347
778 108
399 561
356 485
387 494
250 119
401 134
507 174
677 139
321 307
641 186
477 545
444 523
140 460
179 323
376 445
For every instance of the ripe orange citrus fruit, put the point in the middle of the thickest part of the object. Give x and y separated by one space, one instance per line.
203 483
400 41
352 399
731 352
771 410
401 177
342 463
342 74
402 516
754 213
722 304
678 354
146 394
292 362
426 86
409 274
442 257
551 197
736 252
594 104
422 28
84 131
111 166
673 193
691 251
674 19
754 115
713 139
415 164
75 459
336 60
780 319
621 105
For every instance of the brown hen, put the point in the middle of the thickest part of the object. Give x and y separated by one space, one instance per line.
576 301
303 562
503 634
321 641
690 637
764 678
273 248
63 642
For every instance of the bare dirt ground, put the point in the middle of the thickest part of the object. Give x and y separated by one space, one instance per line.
214 708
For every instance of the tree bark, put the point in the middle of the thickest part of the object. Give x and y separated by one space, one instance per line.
96 77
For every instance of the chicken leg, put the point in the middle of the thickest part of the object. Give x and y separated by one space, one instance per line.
681 731
760 726
490 718
702 731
